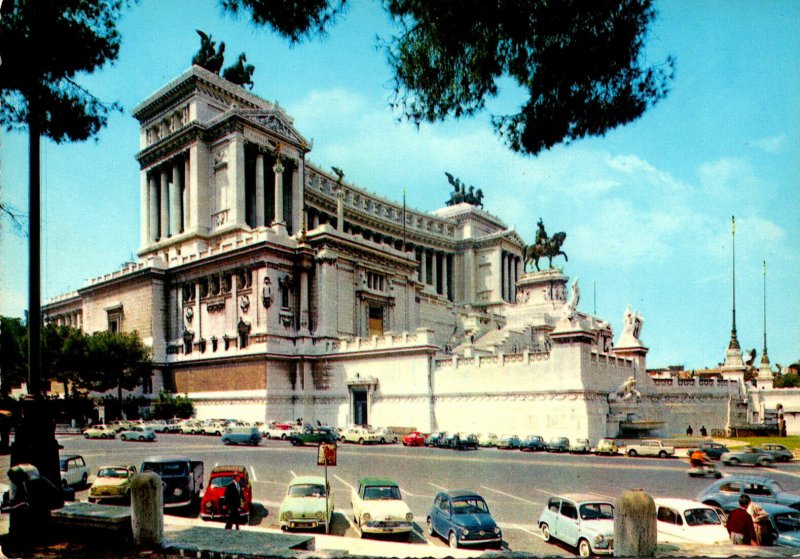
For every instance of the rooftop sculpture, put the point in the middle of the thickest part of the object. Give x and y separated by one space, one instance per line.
460 194
208 57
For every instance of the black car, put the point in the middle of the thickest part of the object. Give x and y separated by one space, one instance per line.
463 442
558 444
182 478
711 449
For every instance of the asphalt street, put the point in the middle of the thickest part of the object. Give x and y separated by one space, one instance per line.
516 485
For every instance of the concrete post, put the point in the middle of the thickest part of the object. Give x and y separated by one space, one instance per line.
147 510
635 525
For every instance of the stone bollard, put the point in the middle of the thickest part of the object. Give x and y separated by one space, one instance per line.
635 525
147 510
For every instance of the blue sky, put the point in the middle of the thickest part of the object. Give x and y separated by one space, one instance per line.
646 209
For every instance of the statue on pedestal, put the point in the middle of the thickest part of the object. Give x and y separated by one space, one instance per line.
545 247
207 57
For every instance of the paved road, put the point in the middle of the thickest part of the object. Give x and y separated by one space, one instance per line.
515 485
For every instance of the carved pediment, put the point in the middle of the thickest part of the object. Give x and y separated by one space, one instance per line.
277 123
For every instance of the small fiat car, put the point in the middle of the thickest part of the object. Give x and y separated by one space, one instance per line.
415 438
463 518
378 507
100 432
213 504
606 446
583 521
308 504
686 521
112 484
138 433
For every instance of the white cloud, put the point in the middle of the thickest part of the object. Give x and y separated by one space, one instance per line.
771 144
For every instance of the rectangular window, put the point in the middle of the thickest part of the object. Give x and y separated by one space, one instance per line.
375 321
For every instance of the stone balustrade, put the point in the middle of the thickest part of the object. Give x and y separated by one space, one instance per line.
698 383
390 340
128 268
610 360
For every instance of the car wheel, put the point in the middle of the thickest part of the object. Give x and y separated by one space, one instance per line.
361 441
545 532
452 540
123 437
86 435
662 454
283 436
405 443
632 452
383 440
226 442
394 441
295 442
430 526
217 434
584 549
733 462
764 462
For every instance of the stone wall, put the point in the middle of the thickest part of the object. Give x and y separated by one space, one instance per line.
221 377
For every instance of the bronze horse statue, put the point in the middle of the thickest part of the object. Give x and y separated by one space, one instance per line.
548 248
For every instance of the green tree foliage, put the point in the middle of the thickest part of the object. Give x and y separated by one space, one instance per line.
168 406
789 380
581 64
13 354
118 360
44 46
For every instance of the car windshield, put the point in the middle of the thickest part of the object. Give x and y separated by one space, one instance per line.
113 472
701 517
307 490
787 521
220 481
380 493
597 511
470 506
166 469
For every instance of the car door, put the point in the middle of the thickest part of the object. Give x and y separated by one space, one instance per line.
760 492
669 524
445 517
568 523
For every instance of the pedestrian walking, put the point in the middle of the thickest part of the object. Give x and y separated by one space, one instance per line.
740 525
689 431
233 496
703 431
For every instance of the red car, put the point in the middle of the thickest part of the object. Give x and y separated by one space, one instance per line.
415 438
212 505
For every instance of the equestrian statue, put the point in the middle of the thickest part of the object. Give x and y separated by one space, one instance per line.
208 57
544 246
239 72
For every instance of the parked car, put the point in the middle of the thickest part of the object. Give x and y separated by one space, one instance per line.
215 428
606 446
785 523
386 435
558 444
308 504
581 520
508 442
532 443
378 507
213 504
157 425
711 449
100 432
463 441
487 439
415 438
182 478
747 455
359 434
74 470
650 448
580 446
725 492
241 435
279 430
137 434
463 518
192 427
173 425
780 452
434 438
685 521
112 484
313 435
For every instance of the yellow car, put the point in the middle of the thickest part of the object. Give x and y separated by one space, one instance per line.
113 483
100 432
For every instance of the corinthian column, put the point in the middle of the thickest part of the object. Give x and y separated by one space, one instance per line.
175 221
152 206
259 190
164 203
279 221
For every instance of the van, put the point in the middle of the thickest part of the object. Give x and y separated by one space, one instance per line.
241 435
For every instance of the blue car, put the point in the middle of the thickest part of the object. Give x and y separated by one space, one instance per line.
463 518
242 435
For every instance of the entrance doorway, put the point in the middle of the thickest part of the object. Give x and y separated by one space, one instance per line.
360 407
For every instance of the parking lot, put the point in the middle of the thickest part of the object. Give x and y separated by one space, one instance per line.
515 485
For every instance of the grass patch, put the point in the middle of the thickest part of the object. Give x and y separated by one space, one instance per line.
789 442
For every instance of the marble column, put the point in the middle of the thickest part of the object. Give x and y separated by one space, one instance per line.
469 277
259 190
175 212
434 271
340 209
304 303
445 289
152 203
503 275
424 265
164 203
186 194
279 221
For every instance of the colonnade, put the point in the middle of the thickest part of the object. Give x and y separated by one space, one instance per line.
167 199
73 319
510 270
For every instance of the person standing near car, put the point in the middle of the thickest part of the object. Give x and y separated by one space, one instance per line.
740 524
764 535
233 496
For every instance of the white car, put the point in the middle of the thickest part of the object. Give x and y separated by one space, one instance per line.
386 435
74 470
360 435
685 521
583 521
216 428
378 507
157 425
